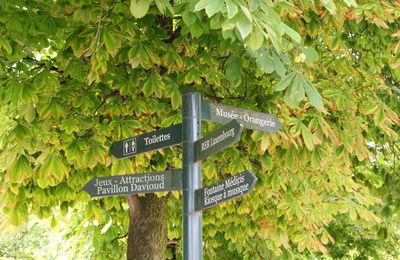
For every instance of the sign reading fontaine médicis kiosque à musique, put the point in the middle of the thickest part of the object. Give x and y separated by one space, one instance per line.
227 189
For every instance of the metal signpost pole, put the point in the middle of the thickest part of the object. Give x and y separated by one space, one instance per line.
192 220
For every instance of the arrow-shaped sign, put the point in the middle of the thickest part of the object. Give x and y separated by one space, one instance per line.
249 119
134 183
218 140
161 138
227 189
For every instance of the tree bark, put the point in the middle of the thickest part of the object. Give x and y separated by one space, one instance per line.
147 234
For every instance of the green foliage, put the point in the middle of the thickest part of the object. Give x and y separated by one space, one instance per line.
63 236
76 76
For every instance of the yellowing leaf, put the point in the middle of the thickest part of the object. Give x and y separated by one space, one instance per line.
84 14
46 81
353 214
53 109
27 111
256 135
154 85
121 167
307 137
19 214
5 45
313 96
265 142
379 117
95 154
28 94
21 132
74 150
139 8
291 159
20 170
52 171
172 91
112 41
70 125
209 169
266 163
13 92
256 39
53 223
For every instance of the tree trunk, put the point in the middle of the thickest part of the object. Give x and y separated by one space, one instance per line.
147 234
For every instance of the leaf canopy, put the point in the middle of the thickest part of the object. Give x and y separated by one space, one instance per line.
77 75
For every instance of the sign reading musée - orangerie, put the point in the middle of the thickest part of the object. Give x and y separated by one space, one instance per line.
218 113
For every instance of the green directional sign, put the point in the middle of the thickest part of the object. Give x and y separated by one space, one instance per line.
194 150
249 119
218 140
227 189
134 183
161 138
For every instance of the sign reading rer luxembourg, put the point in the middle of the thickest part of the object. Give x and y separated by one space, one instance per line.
134 183
161 138
227 189
249 119
218 140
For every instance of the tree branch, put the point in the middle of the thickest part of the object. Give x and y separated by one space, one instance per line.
120 237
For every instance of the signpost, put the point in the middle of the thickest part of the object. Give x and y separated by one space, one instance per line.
227 189
192 219
161 138
134 183
249 119
218 140
195 149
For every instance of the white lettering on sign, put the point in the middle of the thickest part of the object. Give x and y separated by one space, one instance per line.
212 190
222 113
131 179
130 183
244 117
157 138
111 189
234 181
145 187
213 199
229 188
213 141
241 189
